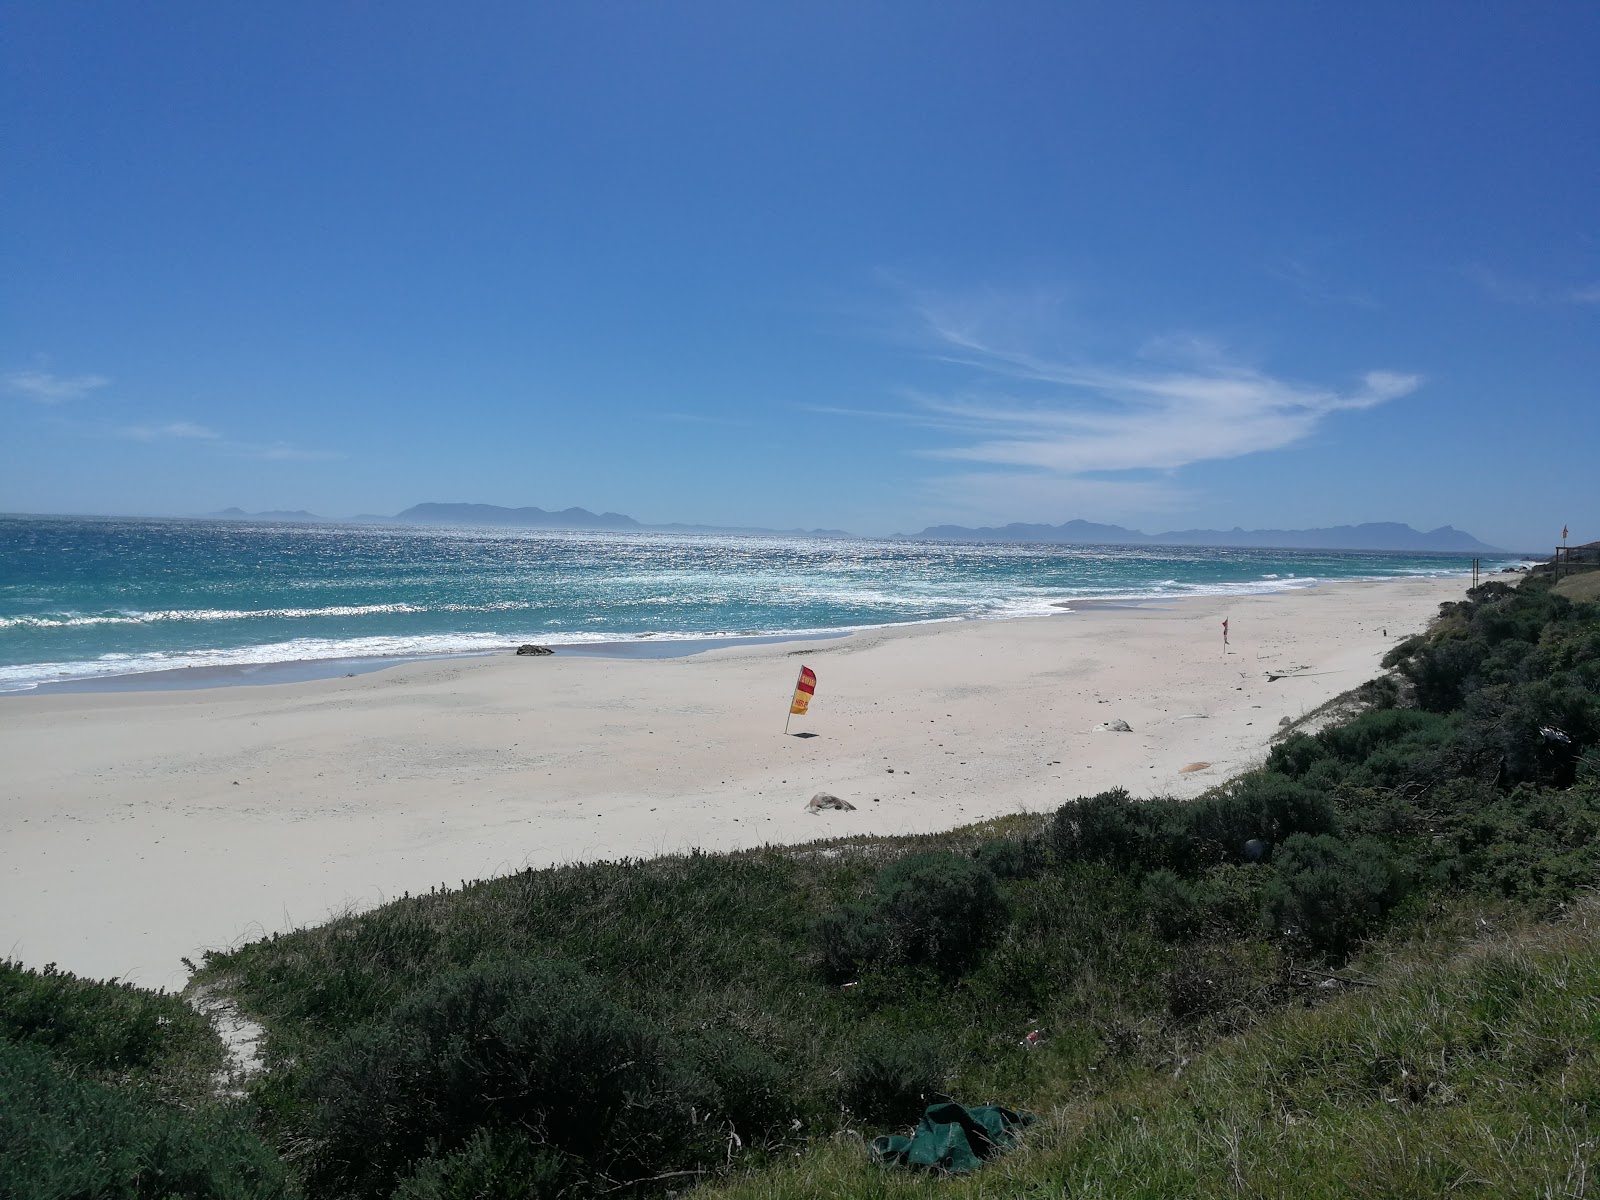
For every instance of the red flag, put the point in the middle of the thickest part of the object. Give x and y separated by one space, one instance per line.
1224 631
804 689
1563 533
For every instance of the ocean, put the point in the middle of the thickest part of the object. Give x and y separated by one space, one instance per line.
98 598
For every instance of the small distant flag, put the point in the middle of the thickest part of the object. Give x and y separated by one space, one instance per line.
1563 535
805 687
1224 631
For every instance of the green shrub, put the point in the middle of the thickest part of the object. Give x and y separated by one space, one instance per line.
1296 755
1175 907
493 1166
941 910
1011 858
1329 894
1402 650
112 1031
934 909
745 1084
503 1046
1442 673
62 1137
1516 724
1114 829
851 937
891 1081
1262 806
1358 739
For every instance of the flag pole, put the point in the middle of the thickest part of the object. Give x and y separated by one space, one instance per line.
790 717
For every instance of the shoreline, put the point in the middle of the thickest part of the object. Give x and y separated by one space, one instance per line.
140 827
307 670
667 645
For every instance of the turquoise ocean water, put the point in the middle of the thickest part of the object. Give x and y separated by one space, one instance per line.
87 598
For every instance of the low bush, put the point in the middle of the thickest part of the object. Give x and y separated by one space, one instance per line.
849 938
111 1031
935 909
1113 829
63 1137
1328 894
494 1166
892 1080
1175 907
1238 823
1263 807
501 1048
742 1082
1011 858
941 910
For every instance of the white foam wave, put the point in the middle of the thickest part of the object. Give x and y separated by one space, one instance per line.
27 676
138 617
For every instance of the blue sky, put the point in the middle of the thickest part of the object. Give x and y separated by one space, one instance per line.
862 265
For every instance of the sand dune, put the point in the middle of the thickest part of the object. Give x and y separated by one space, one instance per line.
137 828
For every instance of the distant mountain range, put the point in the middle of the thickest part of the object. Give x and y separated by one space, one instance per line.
567 518
1375 535
1380 535
239 514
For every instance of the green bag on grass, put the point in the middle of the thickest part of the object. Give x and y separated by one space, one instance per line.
952 1138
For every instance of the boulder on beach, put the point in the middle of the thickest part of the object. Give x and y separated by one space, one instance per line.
823 800
532 649
1118 727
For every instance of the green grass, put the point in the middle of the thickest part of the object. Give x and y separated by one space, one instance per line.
1579 586
1475 1074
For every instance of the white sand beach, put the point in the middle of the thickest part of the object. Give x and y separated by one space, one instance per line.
138 828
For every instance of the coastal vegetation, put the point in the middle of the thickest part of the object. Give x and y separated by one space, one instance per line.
1371 966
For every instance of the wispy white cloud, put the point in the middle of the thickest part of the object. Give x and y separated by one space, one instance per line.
1121 419
279 452
212 441
1312 285
174 430
1509 290
1045 430
42 387
684 418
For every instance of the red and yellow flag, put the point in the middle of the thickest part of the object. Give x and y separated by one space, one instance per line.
803 691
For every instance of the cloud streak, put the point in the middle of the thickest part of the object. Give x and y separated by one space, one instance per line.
1519 291
280 452
174 430
188 431
1043 428
42 387
1298 274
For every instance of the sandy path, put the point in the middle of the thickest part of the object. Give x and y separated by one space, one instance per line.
139 828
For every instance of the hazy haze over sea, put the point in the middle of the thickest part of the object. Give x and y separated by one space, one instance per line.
84 598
